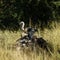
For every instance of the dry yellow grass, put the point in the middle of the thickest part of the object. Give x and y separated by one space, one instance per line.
6 38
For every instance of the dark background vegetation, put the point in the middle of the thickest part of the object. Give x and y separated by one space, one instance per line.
40 12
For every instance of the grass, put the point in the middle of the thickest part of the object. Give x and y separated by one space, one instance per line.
8 38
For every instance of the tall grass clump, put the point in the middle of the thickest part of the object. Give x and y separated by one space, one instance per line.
8 38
